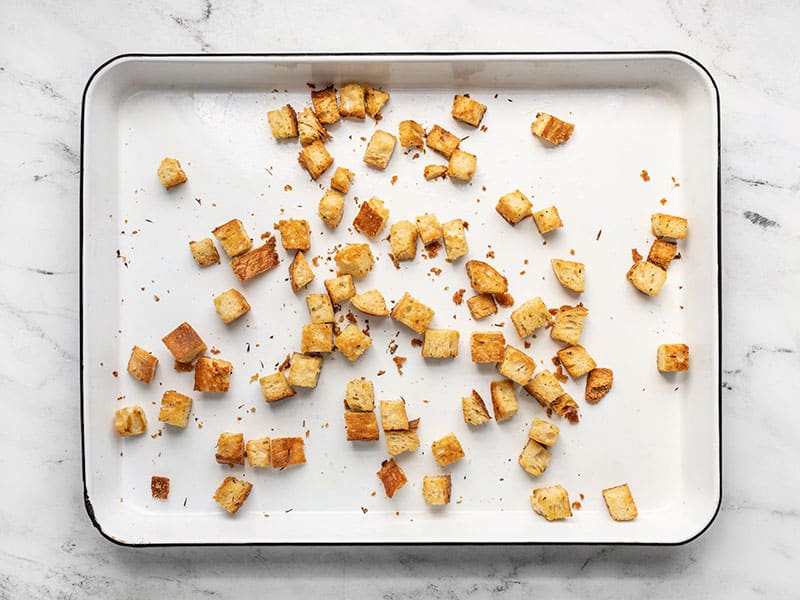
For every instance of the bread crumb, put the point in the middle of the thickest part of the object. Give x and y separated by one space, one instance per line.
458 298
635 255
644 175
399 361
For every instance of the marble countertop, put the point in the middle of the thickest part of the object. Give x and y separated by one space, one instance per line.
48 547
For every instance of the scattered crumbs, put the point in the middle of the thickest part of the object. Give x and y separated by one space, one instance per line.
156 298
436 271
115 373
311 85
681 306
394 179
496 95
288 510
373 493
215 350
248 347
663 201
523 272
577 505
363 139
397 513
351 317
676 389
315 261
501 324
680 287
490 254
184 501
458 297
253 409
527 344
582 496
483 187
675 182
460 500
285 364
432 249
392 347
678 257
465 224
381 372
635 255
253 377
214 204
544 243
121 499
399 361
287 188
559 374
644 175
572 251
484 128
394 260
599 233
416 342
426 401
238 418
364 509
308 432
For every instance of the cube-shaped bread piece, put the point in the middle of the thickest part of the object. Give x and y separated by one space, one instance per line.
130 420
258 452
551 502
474 409
543 432
258 261
534 458
462 165
662 252
320 307
565 407
370 302
429 228
447 450
576 360
374 100
232 493
304 370
440 343
233 238
647 277
392 477
411 134
514 207
504 399
326 105
436 489
398 442
487 346
545 388
204 252
341 180
184 343
530 316
212 375
361 426
547 220
403 240
159 487
288 451
442 141
485 279
310 129
467 110
170 173
598 384
620 503
371 218
355 260
142 365
434 171
569 273
379 149
315 159
340 288
351 101
231 305
283 122
551 128
295 234
455 241
412 313
569 324
360 395
352 342
393 415
669 226
300 273
317 337
673 357
331 208
275 387
481 306
230 449
175 409
516 365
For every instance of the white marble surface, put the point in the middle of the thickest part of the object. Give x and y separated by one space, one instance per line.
48 547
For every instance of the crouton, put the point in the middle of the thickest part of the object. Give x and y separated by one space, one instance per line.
673 357
370 302
398 442
436 489
530 316
142 365
170 173
620 503
320 307
669 226
331 208
351 101
565 407
545 388
647 278
360 395
547 220
598 384
534 458
287 452
474 409
551 128
340 288
230 305
485 279
504 399
204 252
304 370
440 343
275 387
403 240
258 261
175 409
393 415
569 324
300 273
569 273
411 134
230 449
543 432
576 360
159 487
662 252
233 238
325 105
379 149
516 365
212 375
551 502
317 337
258 452
130 420
487 346
283 123
392 477
355 260
412 313
232 493
455 241
434 171
467 110
341 180
462 165
371 218
352 342
295 234
429 228
481 306
361 426
442 141
184 343
315 159
310 129
447 450
374 100
514 207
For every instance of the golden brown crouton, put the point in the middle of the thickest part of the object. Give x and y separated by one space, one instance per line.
130 420
669 226
320 307
331 208
504 399
232 493
481 306
455 241
647 278
411 134
371 303
534 458
310 129
361 426
398 442
393 415
569 324
371 218
379 149
412 313
258 452
547 220
175 409
434 171
403 240
462 165
325 105
565 407
467 110
485 279
300 273
287 452
442 141
360 395
184 343
619 501
576 360
514 207
598 384
230 449
543 432
230 305
283 122
304 370
551 128
317 337
204 252
352 342
142 365
516 365
551 502
258 261
545 388
569 273
440 343
487 346
436 489
430 230
392 477
315 159
275 387
673 357
233 237
170 173
530 316
474 409
340 288
662 252
447 450
159 487
341 179
374 100
351 101
295 234
212 375
355 260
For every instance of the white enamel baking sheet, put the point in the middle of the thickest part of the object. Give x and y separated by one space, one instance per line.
658 433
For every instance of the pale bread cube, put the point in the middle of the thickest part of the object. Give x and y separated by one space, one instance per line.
310 129
212 375
516 365
412 313
673 357
619 501
394 416
534 458
485 279
430 230
370 302
514 207
552 129
361 426
170 173
230 449
142 365
331 208
398 442
315 159
295 234
474 409
487 346
317 337
447 450
374 100
440 343
504 399
304 370
551 502
545 388
355 260
341 180
320 308
233 238
130 420
204 252
326 105
462 165
360 395
175 409
232 493
351 101
455 241
576 360
481 306
669 226
547 220
300 273
467 110
231 305
380 149
411 134
258 452
340 288
352 342
436 489
275 387
442 141
647 278
283 123
403 240
569 273
543 432
569 324
530 316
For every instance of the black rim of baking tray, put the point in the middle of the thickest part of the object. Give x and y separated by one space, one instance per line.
315 55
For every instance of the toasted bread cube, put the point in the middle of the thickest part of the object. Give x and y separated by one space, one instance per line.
434 171
673 357
462 165
374 100
317 337
485 279
204 252
170 173
355 260
230 449
325 105
662 252
669 226
474 409
340 288
310 129
487 346
530 316
440 343
411 134
233 237
258 452
412 313
398 442
547 220
516 365
534 458
130 420
551 128
564 406
175 409
467 110
351 101
295 234
212 375
371 218
331 208
287 452
341 180
504 399
275 387
304 370
379 149
320 307
371 303
393 415
429 228
569 273
442 141
283 123
481 306
569 324
159 487
232 493
352 342
543 432
142 365
620 503
455 241
647 278
436 489
184 343
403 240
392 477
598 384
360 395
361 426
447 450
230 305
576 360
315 159
514 207
545 388
551 502
258 261
300 273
